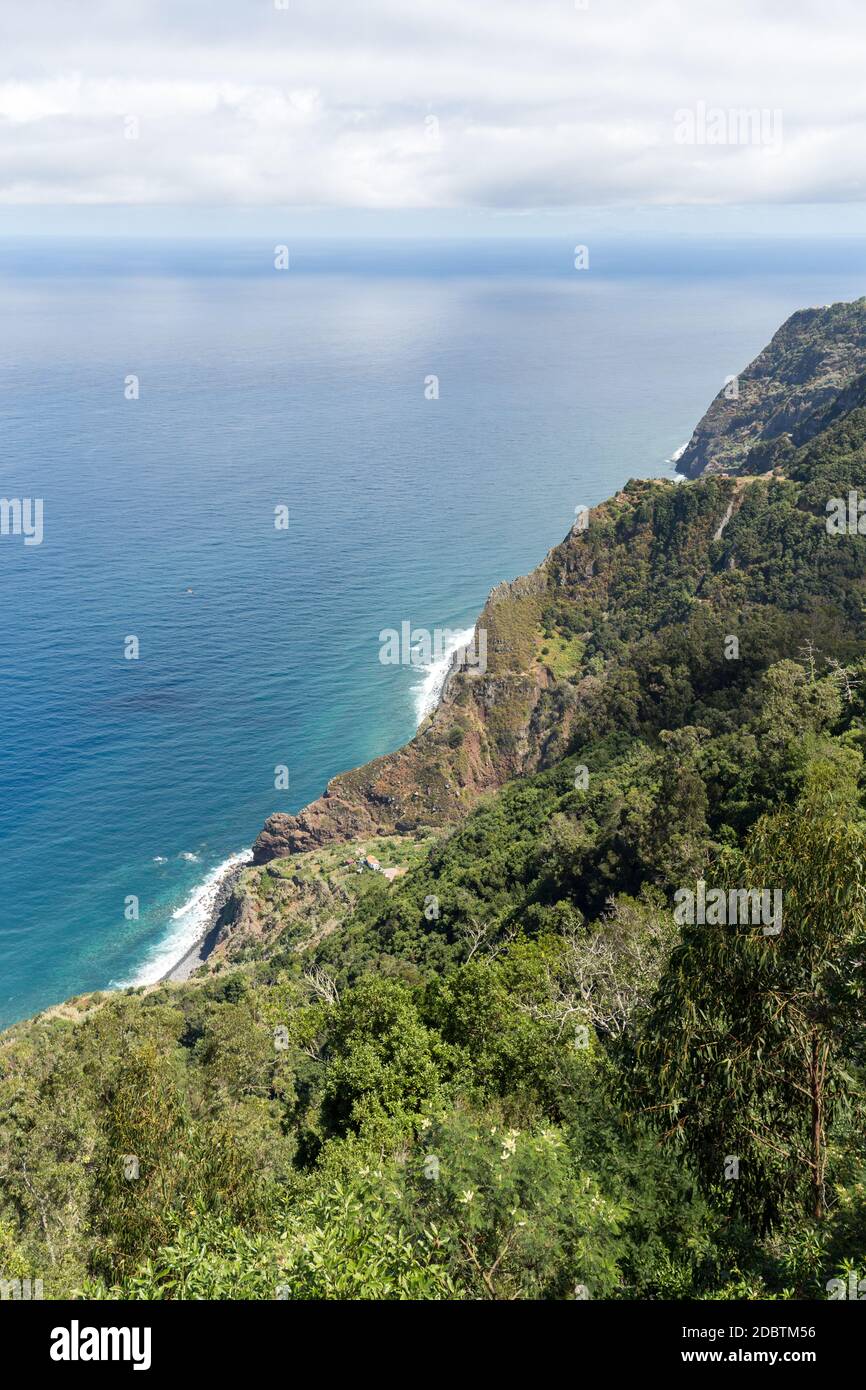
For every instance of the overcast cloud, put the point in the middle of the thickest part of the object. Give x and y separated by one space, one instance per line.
468 104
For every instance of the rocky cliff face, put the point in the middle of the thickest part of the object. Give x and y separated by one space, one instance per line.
480 734
786 395
520 714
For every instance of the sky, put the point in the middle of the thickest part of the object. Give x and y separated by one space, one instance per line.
451 116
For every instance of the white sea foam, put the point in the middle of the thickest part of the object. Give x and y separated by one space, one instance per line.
678 453
189 857
431 678
160 859
188 923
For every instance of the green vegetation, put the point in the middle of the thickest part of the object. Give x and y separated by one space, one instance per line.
510 1072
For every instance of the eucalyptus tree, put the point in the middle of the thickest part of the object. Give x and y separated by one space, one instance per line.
744 1058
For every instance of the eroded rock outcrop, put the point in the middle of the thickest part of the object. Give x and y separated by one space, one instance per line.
479 735
786 396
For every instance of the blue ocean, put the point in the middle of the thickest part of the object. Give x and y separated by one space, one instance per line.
164 400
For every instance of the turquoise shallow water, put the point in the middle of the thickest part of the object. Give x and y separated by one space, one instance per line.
303 389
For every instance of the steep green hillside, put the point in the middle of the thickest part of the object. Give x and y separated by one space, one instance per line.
511 1067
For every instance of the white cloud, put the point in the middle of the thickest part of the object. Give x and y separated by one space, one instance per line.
539 104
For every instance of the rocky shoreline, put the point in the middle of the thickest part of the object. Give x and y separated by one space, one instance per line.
205 943
223 913
487 727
